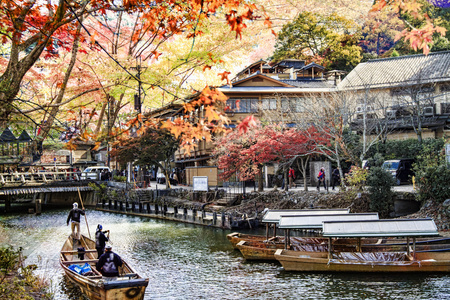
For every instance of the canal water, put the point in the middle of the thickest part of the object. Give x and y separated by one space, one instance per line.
186 261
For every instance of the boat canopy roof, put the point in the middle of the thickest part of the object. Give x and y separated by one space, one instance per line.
316 221
381 228
274 215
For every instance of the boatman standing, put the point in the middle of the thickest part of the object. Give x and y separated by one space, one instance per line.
108 264
75 215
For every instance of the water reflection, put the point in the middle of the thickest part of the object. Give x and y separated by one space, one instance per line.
69 289
185 261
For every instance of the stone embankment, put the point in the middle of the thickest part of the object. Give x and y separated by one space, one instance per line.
440 213
254 204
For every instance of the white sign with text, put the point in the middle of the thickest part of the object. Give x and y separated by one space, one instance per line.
200 183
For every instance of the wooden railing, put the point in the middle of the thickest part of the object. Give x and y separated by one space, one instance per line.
18 178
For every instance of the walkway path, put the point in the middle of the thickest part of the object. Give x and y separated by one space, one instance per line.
401 188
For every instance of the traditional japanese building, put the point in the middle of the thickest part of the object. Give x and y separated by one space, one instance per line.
405 94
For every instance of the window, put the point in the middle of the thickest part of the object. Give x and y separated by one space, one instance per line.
269 104
246 105
292 105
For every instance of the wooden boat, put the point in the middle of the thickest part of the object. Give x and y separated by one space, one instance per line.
265 250
371 261
271 218
255 249
236 237
262 250
129 285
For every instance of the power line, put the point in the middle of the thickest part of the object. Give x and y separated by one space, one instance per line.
113 59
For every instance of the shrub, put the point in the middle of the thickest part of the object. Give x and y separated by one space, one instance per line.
432 175
381 196
410 148
354 183
100 190
18 281
356 178
119 178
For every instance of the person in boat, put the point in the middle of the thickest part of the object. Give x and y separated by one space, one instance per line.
75 215
108 264
100 240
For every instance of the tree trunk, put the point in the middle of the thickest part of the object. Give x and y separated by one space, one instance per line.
101 116
286 179
54 111
260 179
302 165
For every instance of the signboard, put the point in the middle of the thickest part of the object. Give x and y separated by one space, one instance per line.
200 183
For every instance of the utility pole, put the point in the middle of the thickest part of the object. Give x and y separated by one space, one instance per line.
108 161
138 97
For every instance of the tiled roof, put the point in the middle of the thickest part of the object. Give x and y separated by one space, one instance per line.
274 89
312 65
7 136
309 83
399 71
24 137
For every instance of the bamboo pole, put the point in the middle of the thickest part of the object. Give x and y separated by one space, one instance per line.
85 218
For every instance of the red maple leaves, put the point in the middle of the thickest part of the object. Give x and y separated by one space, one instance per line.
243 153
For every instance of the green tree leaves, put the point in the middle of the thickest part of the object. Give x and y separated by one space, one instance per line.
331 41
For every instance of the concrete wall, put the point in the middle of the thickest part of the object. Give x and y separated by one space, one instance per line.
315 168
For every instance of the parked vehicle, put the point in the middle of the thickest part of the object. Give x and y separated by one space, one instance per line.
93 173
400 169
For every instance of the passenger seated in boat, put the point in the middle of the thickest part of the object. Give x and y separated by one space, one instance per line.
108 264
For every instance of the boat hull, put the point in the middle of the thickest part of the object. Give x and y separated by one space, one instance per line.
236 237
95 290
260 251
318 262
129 286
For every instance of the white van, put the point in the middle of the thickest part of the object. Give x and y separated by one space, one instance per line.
93 173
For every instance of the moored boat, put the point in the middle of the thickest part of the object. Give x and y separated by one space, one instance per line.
271 218
128 285
371 261
254 249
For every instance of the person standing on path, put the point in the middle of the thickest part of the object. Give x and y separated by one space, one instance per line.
291 175
335 178
75 215
320 179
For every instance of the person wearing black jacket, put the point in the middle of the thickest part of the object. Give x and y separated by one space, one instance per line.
100 240
335 178
75 215
108 264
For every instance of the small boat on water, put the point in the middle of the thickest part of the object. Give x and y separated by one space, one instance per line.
79 266
361 260
272 217
254 249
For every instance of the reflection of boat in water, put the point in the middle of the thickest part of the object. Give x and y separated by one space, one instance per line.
129 285
386 260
